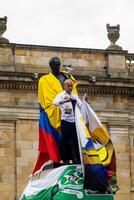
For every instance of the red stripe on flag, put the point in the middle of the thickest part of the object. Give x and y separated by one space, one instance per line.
47 144
42 158
112 167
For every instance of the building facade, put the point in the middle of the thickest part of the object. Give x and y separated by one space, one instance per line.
112 97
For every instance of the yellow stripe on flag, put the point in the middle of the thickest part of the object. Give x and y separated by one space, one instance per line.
101 135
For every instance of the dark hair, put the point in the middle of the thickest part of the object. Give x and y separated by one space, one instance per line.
54 61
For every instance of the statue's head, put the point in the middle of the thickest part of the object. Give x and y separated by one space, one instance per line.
55 63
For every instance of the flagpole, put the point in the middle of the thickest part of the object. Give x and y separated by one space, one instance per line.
79 143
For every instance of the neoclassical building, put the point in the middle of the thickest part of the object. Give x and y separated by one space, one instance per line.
111 96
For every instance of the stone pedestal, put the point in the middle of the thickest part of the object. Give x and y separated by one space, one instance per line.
101 197
116 64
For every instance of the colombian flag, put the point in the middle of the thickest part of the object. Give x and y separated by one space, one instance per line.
50 119
49 142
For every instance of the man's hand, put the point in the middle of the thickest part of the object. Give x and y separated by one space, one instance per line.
65 100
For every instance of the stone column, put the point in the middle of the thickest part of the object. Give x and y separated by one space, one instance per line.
7 57
132 161
7 160
116 64
120 138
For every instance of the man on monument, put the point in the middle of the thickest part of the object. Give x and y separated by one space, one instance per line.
69 143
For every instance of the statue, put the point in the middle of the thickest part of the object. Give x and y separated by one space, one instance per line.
113 36
3 28
97 172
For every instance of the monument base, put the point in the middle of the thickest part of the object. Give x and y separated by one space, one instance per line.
100 197
62 183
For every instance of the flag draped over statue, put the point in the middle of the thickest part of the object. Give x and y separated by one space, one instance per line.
50 120
48 88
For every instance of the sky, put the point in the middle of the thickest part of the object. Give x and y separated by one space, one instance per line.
68 23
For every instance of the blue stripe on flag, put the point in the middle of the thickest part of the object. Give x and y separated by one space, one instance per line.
44 123
89 144
96 177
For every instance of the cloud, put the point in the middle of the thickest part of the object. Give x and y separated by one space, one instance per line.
68 22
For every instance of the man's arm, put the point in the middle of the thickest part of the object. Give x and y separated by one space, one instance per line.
58 100
79 102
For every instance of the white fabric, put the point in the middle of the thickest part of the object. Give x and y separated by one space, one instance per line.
90 117
34 187
81 128
67 112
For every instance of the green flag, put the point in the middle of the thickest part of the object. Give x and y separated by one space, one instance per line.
62 183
